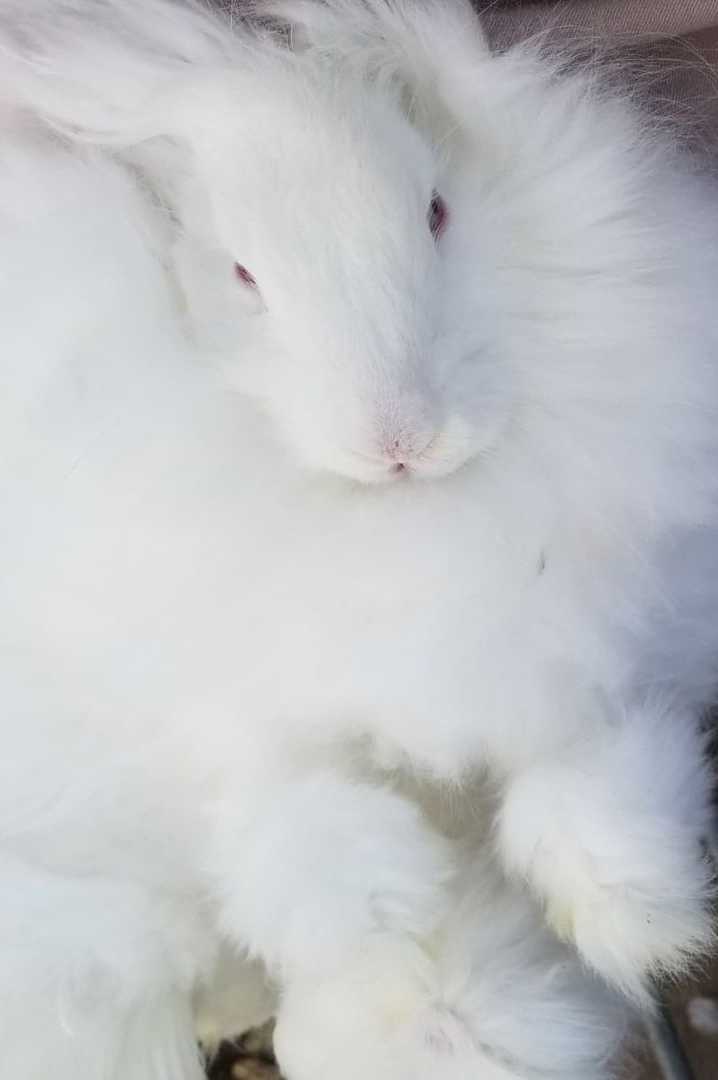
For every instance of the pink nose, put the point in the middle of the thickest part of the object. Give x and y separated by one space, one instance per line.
395 450
402 450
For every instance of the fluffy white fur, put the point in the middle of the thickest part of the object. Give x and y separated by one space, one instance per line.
227 617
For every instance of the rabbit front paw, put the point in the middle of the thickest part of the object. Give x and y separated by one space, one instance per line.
380 1018
630 889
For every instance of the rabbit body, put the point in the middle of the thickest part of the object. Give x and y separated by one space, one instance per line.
358 423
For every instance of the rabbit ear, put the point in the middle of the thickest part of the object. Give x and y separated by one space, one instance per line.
428 49
108 71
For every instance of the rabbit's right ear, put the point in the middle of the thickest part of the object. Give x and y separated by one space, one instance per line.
430 50
110 72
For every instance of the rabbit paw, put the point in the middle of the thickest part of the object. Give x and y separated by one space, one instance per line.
381 1018
629 891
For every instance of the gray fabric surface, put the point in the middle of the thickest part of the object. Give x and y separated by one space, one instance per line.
667 49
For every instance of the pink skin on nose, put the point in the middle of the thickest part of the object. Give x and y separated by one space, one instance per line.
400 453
395 452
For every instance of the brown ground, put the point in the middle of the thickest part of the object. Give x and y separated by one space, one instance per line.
249 1058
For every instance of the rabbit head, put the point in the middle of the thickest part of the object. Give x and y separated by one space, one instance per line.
338 232
413 252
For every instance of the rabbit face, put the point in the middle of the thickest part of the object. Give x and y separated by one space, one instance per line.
338 231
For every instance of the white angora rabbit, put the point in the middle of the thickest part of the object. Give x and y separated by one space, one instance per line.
358 422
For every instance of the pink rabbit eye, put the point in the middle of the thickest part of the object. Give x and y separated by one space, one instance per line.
244 275
437 215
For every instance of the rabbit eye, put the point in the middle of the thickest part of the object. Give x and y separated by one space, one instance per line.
244 275
437 215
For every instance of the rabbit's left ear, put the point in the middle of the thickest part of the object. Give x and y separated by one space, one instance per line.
430 50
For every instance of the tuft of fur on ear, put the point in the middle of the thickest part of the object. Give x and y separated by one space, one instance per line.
429 51
108 71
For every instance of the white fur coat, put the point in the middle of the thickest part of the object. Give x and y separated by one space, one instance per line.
358 425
